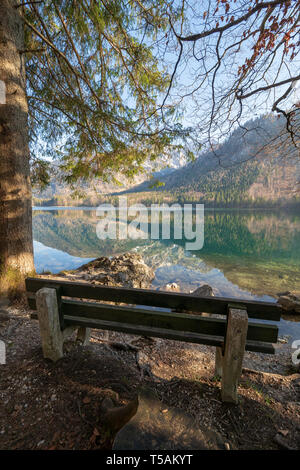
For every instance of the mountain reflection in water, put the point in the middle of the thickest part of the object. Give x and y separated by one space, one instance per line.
246 254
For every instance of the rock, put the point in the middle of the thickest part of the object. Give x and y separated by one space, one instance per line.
203 291
283 339
127 270
173 287
154 428
289 302
279 294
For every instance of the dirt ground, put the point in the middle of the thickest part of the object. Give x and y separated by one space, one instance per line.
58 406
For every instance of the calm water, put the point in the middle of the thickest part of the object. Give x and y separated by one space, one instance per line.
246 254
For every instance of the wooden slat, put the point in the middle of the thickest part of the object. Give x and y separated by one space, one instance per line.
144 330
256 331
252 332
255 346
162 333
214 305
259 346
262 332
165 320
145 317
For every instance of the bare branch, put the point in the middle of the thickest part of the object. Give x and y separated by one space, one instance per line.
268 87
220 29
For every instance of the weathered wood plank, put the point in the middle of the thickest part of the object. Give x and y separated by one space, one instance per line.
214 305
144 317
168 320
232 361
262 332
50 328
259 346
48 316
219 362
162 333
188 337
255 346
83 335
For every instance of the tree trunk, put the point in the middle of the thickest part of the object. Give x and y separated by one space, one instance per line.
16 250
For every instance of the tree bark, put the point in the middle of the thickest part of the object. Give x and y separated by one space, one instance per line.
16 250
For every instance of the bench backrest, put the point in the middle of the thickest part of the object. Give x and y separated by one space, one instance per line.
155 321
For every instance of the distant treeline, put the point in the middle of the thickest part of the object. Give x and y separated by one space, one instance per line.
229 198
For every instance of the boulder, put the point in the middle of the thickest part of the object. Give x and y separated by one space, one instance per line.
126 270
203 291
156 426
289 302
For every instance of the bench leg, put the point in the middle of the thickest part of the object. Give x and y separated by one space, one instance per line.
236 334
219 362
52 336
83 335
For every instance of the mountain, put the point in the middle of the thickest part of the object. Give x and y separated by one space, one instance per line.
89 193
256 166
257 163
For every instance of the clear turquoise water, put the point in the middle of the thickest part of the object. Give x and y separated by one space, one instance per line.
246 254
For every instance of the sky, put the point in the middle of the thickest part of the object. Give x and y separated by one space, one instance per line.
195 103
198 105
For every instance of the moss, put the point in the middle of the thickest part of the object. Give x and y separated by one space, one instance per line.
12 283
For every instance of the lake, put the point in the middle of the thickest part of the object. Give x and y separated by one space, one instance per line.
246 254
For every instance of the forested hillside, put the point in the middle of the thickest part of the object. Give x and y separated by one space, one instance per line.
245 170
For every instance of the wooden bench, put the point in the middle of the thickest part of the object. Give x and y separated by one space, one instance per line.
59 314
